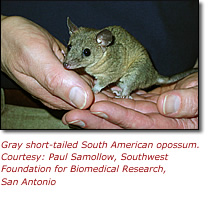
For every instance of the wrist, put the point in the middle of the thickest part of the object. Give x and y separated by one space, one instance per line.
4 41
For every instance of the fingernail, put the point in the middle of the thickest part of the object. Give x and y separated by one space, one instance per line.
77 123
100 114
78 97
171 104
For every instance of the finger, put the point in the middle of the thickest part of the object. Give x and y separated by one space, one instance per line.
131 119
146 97
108 93
179 103
188 82
40 93
84 119
162 89
141 92
88 79
60 82
54 102
141 105
59 50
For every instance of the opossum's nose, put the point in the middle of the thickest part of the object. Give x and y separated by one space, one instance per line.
66 65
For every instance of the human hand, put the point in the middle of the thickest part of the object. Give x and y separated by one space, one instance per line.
154 110
32 57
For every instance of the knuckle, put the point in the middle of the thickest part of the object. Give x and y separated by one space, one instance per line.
190 104
194 103
52 82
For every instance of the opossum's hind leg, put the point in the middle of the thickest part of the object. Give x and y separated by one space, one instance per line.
127 84
119 94
140 75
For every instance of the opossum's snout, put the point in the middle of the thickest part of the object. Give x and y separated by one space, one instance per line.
71 65
66 65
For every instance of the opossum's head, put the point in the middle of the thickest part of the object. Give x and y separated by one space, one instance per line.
86 46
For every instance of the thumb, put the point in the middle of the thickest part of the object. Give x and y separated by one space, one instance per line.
63 83
179 103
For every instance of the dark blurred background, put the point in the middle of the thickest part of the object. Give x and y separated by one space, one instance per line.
168 29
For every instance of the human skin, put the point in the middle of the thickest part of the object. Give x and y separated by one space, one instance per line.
168 107
32 57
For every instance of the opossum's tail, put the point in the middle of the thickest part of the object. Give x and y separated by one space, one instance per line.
167 80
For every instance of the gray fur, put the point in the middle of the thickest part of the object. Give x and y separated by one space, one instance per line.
118 58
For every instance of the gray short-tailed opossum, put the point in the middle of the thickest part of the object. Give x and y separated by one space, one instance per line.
112 55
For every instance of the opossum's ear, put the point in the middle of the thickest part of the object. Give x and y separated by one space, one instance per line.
72 27
104 38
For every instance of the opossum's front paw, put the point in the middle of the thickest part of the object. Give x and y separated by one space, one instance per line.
96 89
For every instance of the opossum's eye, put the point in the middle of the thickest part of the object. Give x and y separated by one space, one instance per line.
69 47
86 52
